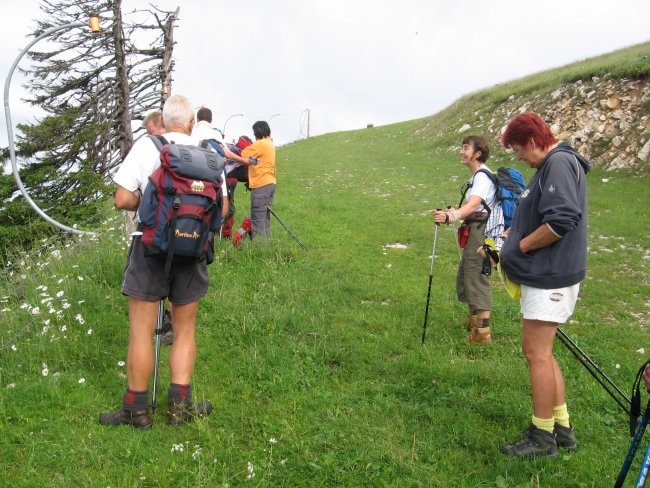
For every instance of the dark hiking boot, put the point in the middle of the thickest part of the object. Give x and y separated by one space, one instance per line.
536 442
135 418
565 437
182 413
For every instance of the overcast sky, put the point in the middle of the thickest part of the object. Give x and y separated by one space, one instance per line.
356 62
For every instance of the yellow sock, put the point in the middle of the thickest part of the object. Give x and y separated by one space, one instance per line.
561 415
544 424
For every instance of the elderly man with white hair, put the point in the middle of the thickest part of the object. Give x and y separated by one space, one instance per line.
145 284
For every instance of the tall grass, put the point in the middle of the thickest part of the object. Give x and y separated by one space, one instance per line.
313 359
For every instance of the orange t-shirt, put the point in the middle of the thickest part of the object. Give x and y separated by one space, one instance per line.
263 173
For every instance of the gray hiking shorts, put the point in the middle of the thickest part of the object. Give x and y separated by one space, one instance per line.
144 278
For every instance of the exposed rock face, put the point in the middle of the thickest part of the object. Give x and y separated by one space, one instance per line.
608 121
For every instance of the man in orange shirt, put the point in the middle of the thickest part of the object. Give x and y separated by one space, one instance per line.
261 176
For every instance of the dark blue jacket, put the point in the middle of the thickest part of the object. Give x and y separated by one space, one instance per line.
556 195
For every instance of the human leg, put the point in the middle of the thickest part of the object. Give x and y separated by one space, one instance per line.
183 351
477 287
261 199
539 438
140 357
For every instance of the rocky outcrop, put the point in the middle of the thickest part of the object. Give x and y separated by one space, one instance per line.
606 120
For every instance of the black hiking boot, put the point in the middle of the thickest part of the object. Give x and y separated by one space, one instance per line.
135 418
536 442
565 437
182 413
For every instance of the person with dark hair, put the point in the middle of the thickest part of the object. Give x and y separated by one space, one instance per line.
546 254
203 130
479 195
260 157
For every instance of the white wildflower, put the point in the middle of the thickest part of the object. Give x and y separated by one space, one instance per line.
90 331
80 278
196 452
80 319
641 351
11 385
63 328
273 440
59 294
178 447
81 380
65 305
45 371
251 471
120 363
36 310
13 347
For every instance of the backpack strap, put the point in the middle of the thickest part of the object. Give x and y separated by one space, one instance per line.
493 179
172 239
158 141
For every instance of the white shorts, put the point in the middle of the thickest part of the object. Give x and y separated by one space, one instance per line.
548 305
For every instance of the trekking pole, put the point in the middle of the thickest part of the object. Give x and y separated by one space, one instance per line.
454 231
610 387
645 468
433 260
634 446
159 331
286 228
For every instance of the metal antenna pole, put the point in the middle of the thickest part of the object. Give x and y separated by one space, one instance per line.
9 122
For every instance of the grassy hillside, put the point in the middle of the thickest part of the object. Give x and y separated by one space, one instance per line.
313 359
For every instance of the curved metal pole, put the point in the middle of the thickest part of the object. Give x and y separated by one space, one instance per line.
10 134
223 132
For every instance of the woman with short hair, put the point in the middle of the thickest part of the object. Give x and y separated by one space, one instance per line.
546 253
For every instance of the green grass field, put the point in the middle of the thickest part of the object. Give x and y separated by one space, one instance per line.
313 360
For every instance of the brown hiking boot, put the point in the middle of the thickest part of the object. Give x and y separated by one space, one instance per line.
479 336
470 322
182 413
135 418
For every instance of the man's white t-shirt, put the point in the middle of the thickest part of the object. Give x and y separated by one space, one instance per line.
203 131
144 159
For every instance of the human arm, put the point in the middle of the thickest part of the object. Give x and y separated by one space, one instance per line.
451 214
127 200
541 237
225 206
250 161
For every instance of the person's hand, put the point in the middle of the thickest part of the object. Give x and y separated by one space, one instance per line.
252 160
646 377
439 216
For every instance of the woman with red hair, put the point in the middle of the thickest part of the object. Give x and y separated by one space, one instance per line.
546 253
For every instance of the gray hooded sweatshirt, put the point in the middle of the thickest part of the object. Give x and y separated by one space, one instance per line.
556 195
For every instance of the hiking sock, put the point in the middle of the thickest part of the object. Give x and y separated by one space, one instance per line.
179 393
135 400
484 326
544 424
561 415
